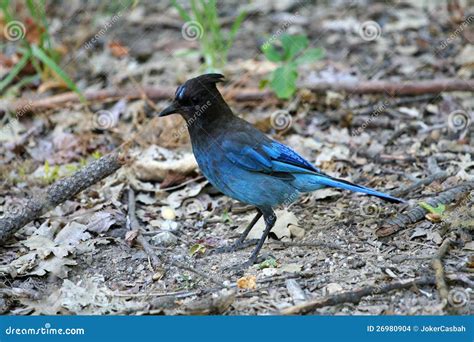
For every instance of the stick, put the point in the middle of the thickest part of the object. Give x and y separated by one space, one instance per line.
417 213
59 192
355 296
392 88
395 87
438 176
25 105
135 225
437 265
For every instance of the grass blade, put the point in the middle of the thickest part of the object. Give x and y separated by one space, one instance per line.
15 70
182 12
38 53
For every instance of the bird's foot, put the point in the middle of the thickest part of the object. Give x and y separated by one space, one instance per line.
235 247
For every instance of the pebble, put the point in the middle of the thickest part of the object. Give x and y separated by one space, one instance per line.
165 239
168 213
296 231
332 288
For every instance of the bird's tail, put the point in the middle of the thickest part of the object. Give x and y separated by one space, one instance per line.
326 180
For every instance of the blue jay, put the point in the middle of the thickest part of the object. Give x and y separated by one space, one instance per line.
242 162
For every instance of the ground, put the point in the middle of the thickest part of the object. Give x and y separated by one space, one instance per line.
83 258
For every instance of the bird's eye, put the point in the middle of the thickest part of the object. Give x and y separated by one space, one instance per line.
185 101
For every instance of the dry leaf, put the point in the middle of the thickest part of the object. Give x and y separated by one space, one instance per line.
117 49
247 282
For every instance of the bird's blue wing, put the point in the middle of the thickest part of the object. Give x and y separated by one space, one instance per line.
284 157
268 157
280 161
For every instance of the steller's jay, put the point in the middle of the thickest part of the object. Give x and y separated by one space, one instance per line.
242 162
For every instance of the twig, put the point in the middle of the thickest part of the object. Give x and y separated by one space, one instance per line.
438 176
417 213
355 296
437 265
28 105
59 192
135 225
393 88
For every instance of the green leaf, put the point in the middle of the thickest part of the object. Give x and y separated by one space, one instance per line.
271 53
197 248
38 53
15 70
269 263
263 83
284 81
438 210
292 45
310 55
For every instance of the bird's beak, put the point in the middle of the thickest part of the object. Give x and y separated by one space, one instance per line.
171 109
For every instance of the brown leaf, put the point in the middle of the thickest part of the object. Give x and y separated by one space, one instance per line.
117 49
247 282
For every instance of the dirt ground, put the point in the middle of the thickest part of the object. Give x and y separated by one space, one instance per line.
82 257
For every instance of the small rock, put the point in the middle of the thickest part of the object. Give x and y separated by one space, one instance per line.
168 213
331 288
165 239
296 232
355 263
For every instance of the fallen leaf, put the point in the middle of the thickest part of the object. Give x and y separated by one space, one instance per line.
100 222
44 246
248 282
72 234
156 162
54 265
117 49
281 230
197 248
269 263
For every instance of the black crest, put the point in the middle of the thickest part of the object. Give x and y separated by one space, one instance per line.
195 89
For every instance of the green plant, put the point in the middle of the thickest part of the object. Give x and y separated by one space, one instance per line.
41 54
203 23
292 53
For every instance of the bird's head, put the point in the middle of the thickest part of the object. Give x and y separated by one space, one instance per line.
196 97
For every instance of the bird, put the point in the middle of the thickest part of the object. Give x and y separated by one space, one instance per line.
242 162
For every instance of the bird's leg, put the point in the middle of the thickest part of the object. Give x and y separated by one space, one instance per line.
270 219
240 242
